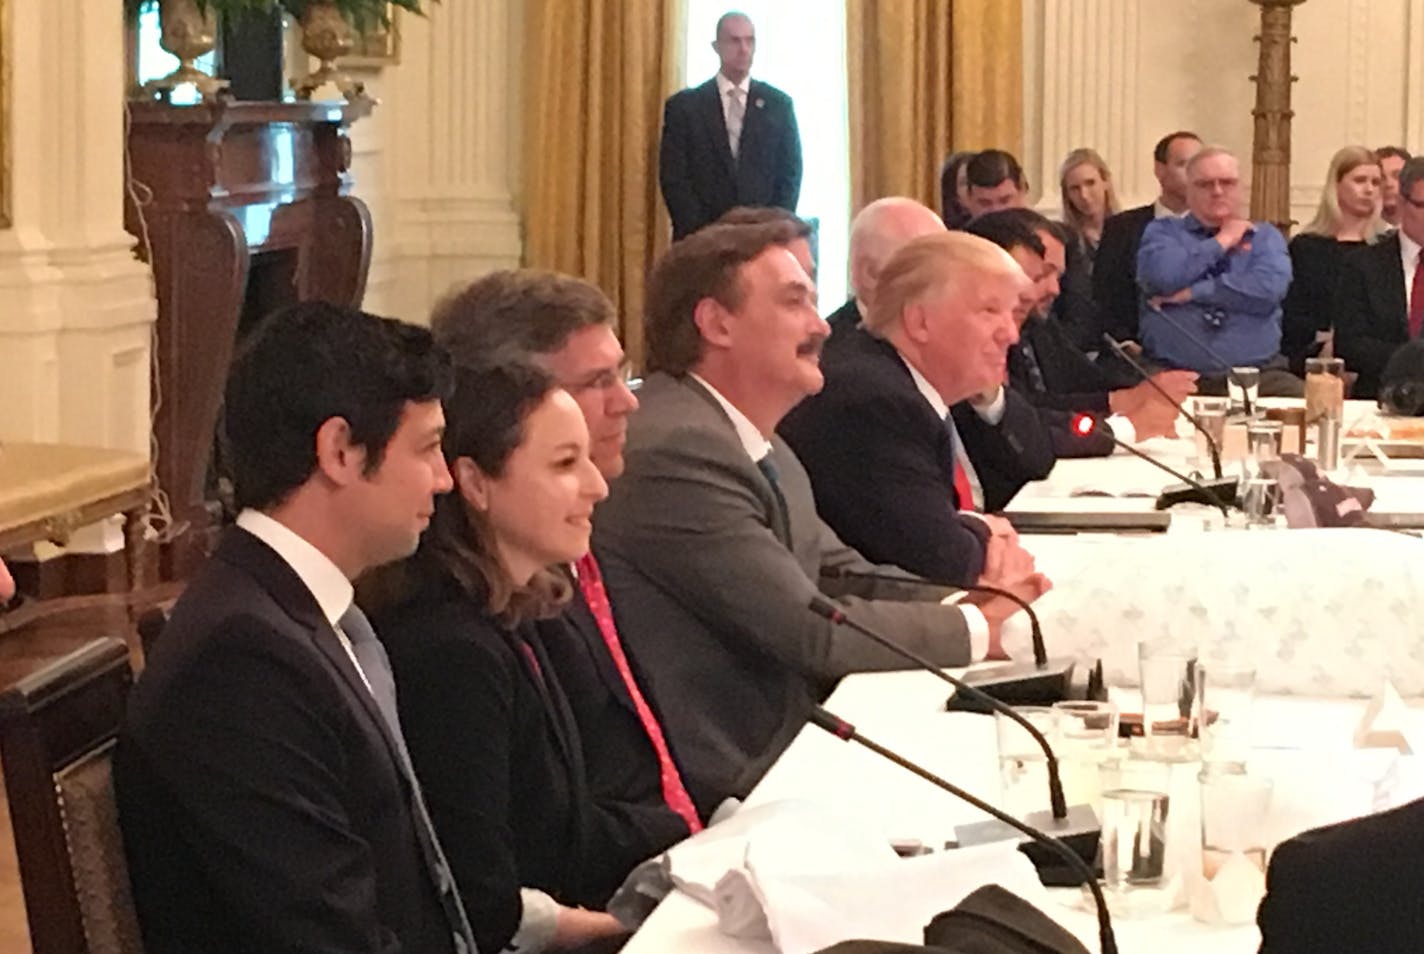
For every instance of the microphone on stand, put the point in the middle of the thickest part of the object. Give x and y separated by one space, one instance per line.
1215 493
1211 353
1191 419
1077 826
1041 683
1083 874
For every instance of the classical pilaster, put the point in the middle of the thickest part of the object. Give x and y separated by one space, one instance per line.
78 309
1088 94
452 112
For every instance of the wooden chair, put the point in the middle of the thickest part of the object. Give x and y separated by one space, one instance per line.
57 733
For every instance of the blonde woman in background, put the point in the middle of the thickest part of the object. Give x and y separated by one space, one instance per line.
1085 184
1349 216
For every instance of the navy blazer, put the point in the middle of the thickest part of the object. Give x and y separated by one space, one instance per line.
262 804
1371 311
1115 272
701 180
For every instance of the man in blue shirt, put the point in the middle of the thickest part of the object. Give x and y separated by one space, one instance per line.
1212 283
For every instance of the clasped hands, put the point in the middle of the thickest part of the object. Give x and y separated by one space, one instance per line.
1009 567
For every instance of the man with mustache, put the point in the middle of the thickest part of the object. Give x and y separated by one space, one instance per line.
710 538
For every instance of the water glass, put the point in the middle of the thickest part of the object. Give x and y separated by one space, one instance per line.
1023 766
1243 386
1260 501
1226 695
1085 735
1134 817
1233 862
1168 678
1210 412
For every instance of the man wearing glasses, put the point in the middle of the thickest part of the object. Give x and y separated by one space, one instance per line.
1212 283
1380 301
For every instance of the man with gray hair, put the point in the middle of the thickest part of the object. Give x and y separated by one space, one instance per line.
1213 282
876 232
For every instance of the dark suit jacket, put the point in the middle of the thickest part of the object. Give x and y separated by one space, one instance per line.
712 580
500 760
844 318
624 776
882 464
1371 311
1008 454
1067 384
1348 887
700 179
262 806
1115 272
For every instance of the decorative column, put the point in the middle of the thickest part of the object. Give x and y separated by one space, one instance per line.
454 118
1089 91
1271 144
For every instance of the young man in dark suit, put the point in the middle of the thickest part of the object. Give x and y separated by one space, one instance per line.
266 800
565 325
731 141
1115 270
1379 302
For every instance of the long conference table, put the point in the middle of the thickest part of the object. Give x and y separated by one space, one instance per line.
1327 617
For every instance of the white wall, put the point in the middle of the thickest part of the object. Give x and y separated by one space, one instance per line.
1118 74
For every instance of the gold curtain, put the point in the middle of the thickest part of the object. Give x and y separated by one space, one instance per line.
596 75
927 77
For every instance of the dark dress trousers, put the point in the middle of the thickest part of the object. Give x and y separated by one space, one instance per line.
712 567
700 178
500 759
1351 887
1115 272
1316 265
1371 312
262 805
881 461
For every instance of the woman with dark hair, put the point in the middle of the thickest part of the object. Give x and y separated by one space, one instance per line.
487 723
953 188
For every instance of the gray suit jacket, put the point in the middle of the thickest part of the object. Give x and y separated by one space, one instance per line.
711 588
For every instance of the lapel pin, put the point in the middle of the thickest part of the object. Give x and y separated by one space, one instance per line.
760 102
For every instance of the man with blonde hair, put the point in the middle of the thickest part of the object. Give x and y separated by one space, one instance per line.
914 414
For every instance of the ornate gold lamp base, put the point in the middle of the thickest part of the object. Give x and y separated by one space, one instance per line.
327 35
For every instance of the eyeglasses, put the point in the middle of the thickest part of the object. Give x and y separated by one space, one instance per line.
606 379
1210 185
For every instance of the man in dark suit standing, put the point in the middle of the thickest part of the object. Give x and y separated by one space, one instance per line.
710 538
264 792
1115 270
565 325
731 141
1353 886
1379 303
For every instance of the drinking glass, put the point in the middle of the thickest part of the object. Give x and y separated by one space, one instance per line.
1168 677
1210 412
1085 735
1324 389
1134 817
1023 766
1226 695
1243 385
1260 500
1233 863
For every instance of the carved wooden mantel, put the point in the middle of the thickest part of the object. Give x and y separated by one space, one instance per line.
216 184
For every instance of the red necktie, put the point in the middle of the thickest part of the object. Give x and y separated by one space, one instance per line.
1416 298
962 489
591 584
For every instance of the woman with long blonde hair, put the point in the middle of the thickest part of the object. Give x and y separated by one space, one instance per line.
1085 186
1349 215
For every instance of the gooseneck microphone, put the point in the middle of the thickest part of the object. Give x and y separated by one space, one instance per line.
1043 682
1212 446
1078 825
845 731
1193 491
1211 353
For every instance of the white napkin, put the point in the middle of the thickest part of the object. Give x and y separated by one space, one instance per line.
1389 724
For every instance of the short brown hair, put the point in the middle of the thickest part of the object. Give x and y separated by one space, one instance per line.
705 264
763 214
516 314
927 264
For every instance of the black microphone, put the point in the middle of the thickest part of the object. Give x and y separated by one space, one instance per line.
1209 492
1191 418
1041 683
843 730
1211 353
1077 826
